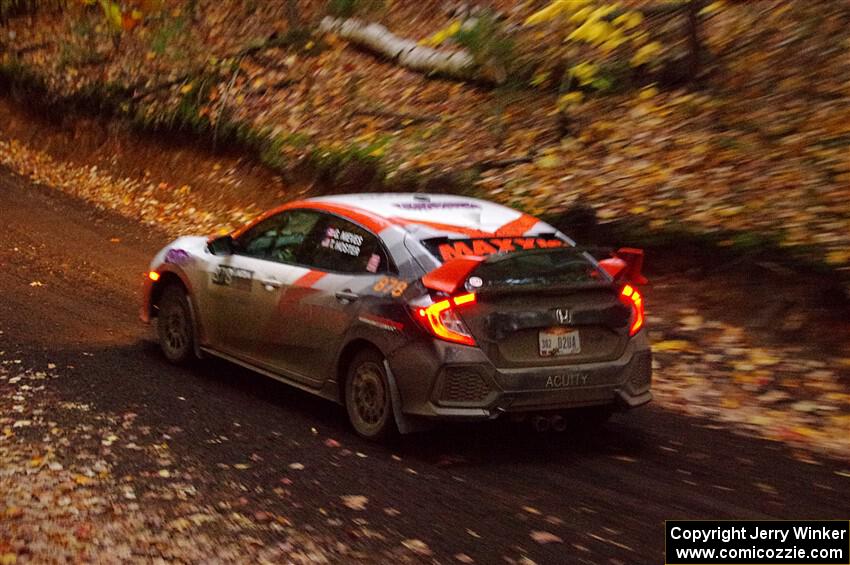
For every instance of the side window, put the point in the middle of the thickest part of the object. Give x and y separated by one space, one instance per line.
279 238
339 245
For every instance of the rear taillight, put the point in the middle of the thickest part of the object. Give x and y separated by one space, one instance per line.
632 298
441 319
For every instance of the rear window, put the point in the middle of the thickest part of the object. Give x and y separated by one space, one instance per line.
566 265
444 248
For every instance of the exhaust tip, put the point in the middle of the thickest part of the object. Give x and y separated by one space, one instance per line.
559 423
540 423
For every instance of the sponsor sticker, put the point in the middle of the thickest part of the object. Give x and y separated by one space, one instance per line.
374 263
238 278
447 249
437 205
177 257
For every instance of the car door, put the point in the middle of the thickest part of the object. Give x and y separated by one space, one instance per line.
344 260
245 287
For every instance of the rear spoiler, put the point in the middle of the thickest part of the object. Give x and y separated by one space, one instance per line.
451 275
626 265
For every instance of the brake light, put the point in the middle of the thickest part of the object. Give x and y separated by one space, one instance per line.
441 320
632 298
154 276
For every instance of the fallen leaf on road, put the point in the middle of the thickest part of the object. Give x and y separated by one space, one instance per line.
417 546
542 537
355 501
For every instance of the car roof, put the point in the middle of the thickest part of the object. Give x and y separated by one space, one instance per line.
436 215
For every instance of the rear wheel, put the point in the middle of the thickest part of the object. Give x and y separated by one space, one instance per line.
367 396
174 325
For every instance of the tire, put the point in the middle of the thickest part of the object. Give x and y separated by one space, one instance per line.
174 326
367 397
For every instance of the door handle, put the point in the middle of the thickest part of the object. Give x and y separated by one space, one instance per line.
270 284
346 296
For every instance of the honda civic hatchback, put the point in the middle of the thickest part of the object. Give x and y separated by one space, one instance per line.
411 308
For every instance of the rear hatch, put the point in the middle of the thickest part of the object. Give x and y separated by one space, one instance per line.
545 307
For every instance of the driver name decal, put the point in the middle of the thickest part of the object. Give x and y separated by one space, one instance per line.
343 241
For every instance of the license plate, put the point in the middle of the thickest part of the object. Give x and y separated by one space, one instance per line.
559 341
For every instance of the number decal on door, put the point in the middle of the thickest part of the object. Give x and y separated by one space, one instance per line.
390 285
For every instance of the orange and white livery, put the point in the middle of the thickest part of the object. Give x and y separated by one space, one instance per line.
409 308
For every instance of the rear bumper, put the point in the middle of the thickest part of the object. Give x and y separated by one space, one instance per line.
460 383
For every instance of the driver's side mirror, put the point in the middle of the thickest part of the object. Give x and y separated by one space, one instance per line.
626 264
223 245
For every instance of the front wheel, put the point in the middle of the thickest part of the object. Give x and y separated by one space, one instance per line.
367 397
174 325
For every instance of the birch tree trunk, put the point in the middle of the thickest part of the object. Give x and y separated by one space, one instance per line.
407 53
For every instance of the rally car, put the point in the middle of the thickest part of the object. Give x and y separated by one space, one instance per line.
410 308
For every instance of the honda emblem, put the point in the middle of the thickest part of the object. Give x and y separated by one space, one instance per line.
564 315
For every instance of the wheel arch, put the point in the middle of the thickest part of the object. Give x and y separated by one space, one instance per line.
166 279
352 348
349 351
169 277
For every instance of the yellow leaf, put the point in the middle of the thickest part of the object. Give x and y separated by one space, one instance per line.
581 15
804 431
584 73
553 10
671 345
713 7
629 20
648 93
592 31
730 403
570 99
548 161
838 257
645 53
187 88
442 35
